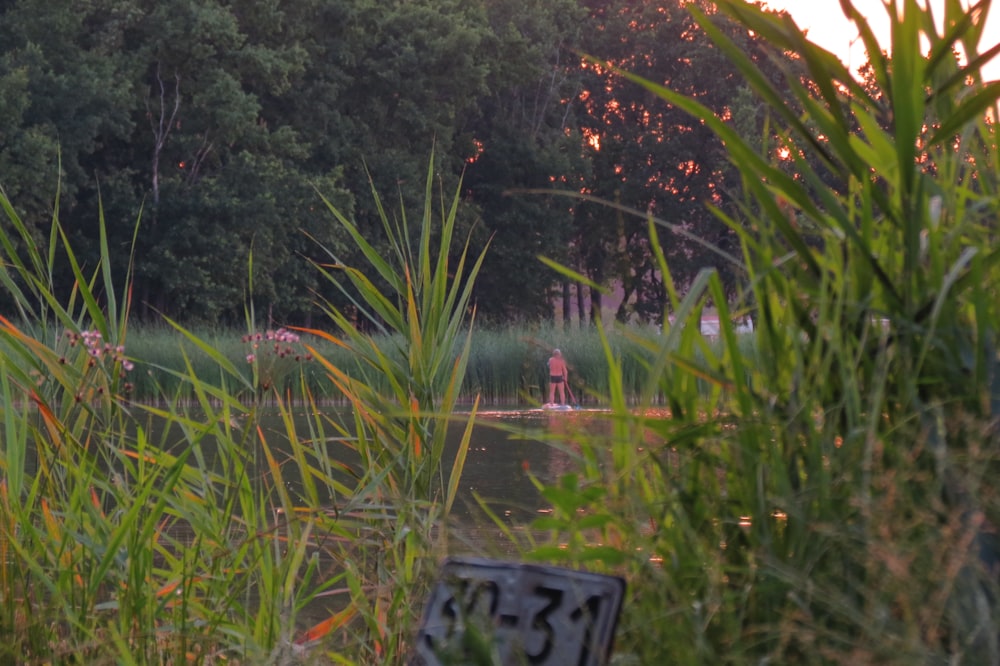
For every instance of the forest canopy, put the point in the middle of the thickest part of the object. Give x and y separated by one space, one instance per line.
218 125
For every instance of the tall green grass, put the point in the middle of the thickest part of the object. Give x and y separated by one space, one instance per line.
403 395
507 366
163 356
121 542
832 498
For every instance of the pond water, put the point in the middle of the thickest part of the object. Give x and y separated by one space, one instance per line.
508 447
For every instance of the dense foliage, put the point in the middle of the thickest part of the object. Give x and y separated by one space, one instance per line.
221 120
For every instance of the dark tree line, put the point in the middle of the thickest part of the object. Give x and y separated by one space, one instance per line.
218 123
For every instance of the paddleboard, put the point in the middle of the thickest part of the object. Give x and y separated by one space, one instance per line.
552 406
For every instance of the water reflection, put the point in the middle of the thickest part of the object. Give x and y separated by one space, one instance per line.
507 449
510 446
505 446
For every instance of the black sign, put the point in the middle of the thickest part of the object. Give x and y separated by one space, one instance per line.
487 612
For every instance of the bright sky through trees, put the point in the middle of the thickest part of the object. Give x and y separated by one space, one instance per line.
829 28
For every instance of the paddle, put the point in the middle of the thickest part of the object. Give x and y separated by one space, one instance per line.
576 403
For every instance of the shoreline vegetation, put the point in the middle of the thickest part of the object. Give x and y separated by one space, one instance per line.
506 366
839 505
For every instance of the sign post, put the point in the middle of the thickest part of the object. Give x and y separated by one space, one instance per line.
487 611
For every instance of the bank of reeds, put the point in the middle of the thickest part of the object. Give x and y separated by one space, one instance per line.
507 366
183 543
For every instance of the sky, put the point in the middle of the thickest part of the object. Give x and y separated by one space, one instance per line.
827 27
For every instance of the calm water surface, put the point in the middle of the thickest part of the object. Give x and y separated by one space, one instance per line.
506 449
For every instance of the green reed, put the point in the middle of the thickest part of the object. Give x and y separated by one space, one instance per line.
163 530
403 388
506 366
163 356
824 492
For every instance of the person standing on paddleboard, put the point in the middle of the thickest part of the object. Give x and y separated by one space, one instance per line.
558 376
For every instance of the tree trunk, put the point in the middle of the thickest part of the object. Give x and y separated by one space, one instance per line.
595 306
161 122
567 299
